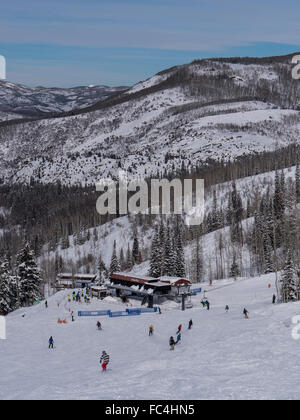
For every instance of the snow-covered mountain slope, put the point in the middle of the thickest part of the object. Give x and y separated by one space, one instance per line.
22 101
224 356
207 111
122 231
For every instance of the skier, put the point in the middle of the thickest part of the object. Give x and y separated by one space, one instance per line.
227 309
178 338
190 324
51 343
151 330
246 313
172 343
99 326
179 329
104 361
274 299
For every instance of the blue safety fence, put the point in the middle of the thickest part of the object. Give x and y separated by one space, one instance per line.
196 291
94 313
128 312
123 313
148 310
134 311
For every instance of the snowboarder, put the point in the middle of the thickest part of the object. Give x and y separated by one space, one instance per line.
99 326
104 361
274 299
246 313
227 308
51 343
179 329
190 324
178 338
172 343
151 330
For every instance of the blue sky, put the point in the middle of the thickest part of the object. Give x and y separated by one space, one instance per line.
120 42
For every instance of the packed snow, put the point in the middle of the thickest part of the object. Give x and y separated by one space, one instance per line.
224 356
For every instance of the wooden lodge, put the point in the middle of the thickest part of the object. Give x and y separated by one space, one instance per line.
149 288
75 281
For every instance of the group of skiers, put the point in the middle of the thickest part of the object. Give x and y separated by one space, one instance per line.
172 341
80 296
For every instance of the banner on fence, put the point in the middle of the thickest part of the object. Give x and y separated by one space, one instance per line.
123 313
94 313
196 291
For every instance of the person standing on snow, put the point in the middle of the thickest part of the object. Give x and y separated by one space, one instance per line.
246 313
274 299
190 324
178 338
99 326
46 305
227 308
104 361
207 305
151 330
179 329
172 343
51 343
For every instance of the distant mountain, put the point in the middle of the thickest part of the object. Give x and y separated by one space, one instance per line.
184 117
20 101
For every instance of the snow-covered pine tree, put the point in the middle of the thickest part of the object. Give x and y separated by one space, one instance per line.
135 249
101 270
6 304
129 263
122 261
289 280
197 266
297 180
114 265
234 270
168 268
29 277
179 270
155 262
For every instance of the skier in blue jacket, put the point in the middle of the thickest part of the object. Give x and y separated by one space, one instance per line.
51 343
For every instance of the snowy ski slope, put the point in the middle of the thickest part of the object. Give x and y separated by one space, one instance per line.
224 356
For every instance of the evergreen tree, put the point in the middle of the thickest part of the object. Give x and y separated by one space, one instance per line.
179 263
297 180
234 270
168 260
129 263
135 250
122 260
29 277
6 304
101 270
114 265
155 262
289 281
197 262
